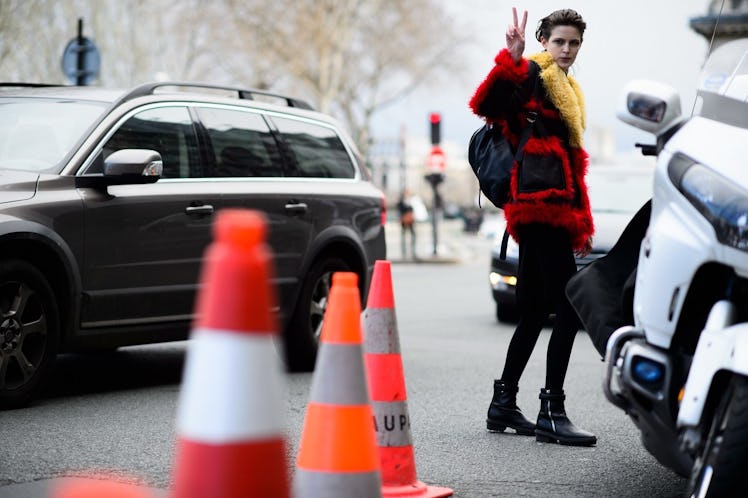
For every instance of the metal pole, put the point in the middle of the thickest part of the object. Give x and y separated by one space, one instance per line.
433 217
79 78
403 182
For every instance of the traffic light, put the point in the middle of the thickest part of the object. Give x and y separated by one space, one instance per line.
436 120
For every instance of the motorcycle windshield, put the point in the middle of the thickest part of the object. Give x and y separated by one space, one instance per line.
723 84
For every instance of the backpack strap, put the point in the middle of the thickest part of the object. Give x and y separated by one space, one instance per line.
525 135
504 244
533 73
532 118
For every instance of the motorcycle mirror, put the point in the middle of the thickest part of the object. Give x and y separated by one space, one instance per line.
650 106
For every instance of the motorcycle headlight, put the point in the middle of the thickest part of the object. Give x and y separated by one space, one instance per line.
723 203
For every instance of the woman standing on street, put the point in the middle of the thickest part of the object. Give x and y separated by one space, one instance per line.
550 224
407 222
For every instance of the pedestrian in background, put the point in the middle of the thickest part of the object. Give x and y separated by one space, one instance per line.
407 222
550 224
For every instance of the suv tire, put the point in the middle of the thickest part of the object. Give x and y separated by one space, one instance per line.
29 331
304 330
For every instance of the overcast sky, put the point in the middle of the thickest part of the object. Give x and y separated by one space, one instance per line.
624 40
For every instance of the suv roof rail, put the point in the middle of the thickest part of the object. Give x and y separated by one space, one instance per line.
242 93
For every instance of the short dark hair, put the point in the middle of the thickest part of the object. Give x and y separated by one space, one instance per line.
563 17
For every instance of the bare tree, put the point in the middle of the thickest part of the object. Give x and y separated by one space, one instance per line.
30 48
350 58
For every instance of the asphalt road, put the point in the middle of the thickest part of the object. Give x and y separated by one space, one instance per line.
113 414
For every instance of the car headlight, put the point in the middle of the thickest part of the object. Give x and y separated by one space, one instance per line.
723 203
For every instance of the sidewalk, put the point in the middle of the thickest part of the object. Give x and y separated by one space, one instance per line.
453 246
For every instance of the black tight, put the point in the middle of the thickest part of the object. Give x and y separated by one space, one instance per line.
546 262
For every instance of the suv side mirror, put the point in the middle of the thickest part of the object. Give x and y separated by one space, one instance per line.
143 164
125 167
650 106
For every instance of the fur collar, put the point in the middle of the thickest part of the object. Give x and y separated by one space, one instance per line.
566 95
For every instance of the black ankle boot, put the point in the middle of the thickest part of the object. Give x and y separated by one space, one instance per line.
504 412
554 426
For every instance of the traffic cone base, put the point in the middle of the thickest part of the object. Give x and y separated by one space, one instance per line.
235 463
388 394
336 485
418 489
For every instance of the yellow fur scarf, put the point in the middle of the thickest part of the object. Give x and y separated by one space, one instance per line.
566 95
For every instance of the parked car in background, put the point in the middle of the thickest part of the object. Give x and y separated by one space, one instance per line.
107 199
616 194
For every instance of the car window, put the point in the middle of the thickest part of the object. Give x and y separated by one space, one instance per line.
241 143
168 131
317 150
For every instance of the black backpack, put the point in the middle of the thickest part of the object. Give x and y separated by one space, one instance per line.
492 159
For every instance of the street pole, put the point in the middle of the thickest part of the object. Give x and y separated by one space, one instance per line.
403 180
81 63
436 166
434 212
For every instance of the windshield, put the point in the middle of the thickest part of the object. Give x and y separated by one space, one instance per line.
36 134
723 84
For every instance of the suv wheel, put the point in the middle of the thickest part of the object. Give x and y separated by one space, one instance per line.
305 327
29 332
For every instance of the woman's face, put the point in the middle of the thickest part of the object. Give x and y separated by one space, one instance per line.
563 45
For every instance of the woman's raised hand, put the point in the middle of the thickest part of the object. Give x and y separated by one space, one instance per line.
515 36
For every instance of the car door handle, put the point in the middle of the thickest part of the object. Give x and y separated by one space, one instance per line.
297 208
204 209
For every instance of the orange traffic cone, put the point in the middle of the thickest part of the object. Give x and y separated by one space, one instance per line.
337 455
384 369
230 416
97 488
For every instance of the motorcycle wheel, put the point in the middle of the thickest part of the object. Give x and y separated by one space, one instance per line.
719 468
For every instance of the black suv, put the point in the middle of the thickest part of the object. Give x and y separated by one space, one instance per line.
107 200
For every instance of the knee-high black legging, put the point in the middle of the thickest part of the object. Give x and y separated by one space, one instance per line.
546 262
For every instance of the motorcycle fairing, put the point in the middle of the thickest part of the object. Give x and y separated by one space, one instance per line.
721 347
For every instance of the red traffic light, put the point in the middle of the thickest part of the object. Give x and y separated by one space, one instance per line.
436 120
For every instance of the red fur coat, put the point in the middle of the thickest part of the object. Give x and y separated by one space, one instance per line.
504 98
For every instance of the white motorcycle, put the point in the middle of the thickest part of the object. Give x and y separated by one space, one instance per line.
677 360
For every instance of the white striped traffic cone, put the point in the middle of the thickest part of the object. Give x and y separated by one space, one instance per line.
230 416
389 399
337 453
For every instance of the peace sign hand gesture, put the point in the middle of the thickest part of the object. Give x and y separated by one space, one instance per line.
515 36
